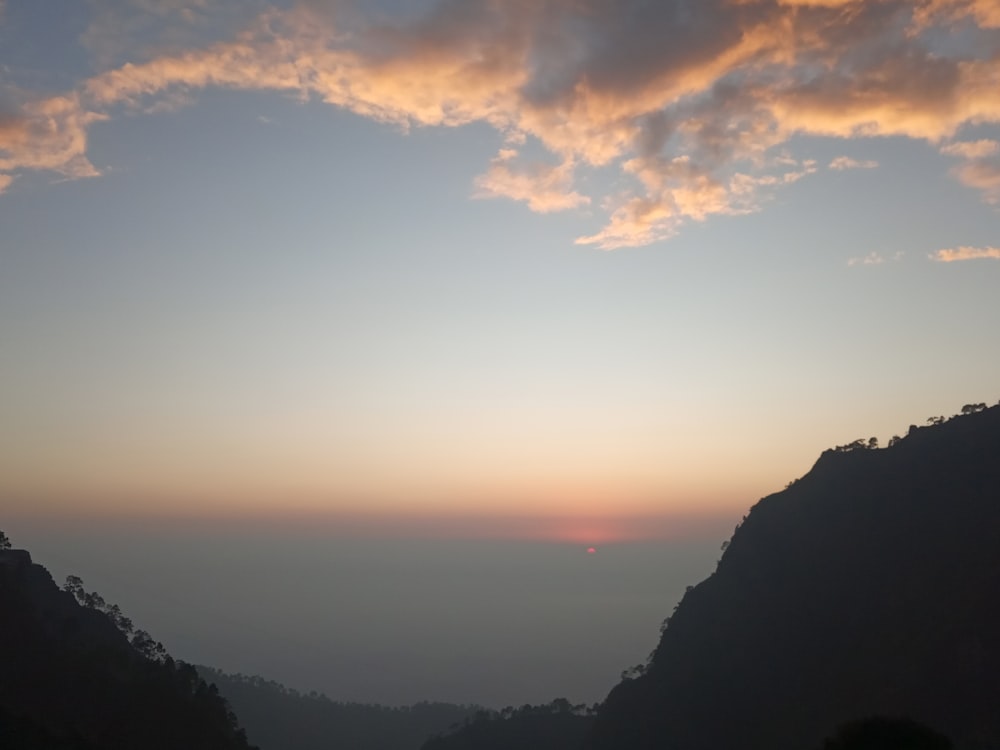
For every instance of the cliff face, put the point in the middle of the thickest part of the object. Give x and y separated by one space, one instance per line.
70 678
869 586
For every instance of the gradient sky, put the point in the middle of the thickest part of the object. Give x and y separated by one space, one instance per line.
565 270
560 259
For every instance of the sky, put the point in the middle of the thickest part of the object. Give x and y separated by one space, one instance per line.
564 271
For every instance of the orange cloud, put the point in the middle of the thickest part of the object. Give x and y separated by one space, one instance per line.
47 134
954 254
677 191
543 187
690 107
287 52
980 168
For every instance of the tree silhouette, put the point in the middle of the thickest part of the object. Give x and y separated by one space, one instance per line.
4 541
141 641
149 647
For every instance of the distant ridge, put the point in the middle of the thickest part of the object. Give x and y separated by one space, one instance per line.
870 586
280 718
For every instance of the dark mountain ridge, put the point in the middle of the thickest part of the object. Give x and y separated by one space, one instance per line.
867 587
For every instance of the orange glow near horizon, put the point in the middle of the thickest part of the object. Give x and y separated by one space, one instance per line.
595 489
232 492
562 528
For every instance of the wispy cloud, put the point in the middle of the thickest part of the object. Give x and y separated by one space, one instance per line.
846 162
983 175
980 166
120 31
679 190
874 259
954 254
986 13
690 103
972 149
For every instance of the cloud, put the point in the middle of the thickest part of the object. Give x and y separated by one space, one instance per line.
5 180
845 162
954 254
398 80
980 167
47 134
985 13
983 175
677 191
119 31
874 259
543 187
972 149
695 103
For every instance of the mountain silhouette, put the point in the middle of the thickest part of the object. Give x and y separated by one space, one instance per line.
71 678
869 587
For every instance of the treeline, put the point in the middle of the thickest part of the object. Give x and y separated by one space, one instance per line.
277 717
140 640
558 725
872 442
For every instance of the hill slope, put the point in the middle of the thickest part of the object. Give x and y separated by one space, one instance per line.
72 679
869 586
